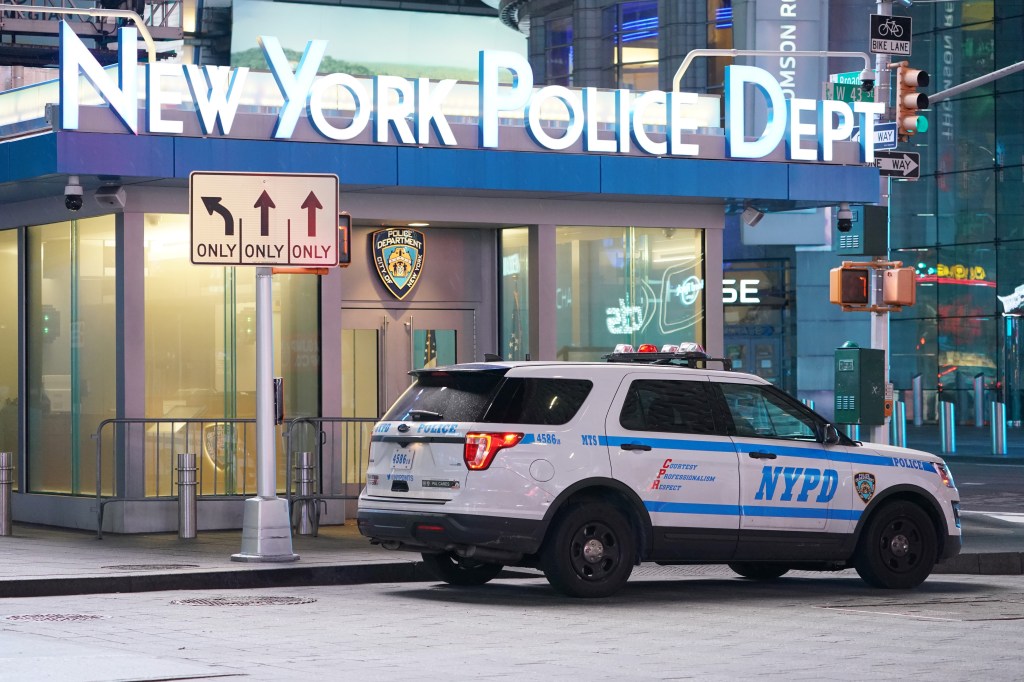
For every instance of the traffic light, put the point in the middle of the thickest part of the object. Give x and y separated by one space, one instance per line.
344 240
909 101
850 285
899 287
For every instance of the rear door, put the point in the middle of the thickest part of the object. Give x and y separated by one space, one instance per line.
665 443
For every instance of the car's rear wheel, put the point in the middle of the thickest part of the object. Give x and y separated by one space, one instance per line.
898 549
456 570
589 551
756 570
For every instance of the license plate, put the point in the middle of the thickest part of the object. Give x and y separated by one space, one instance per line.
401 460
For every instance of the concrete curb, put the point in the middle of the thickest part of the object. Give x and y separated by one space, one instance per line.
994 563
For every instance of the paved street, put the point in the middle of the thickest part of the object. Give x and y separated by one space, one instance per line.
669 623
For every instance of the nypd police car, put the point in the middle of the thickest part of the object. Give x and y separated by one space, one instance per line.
586 469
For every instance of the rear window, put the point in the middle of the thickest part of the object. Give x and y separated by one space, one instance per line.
538 401
446 396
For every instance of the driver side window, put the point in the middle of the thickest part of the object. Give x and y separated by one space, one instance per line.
757 412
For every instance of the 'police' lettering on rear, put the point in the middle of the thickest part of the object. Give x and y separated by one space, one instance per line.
437 428
809 479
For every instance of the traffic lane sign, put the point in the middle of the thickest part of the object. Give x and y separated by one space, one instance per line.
906 165
264 219
885 135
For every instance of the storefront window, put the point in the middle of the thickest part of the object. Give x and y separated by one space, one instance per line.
631 34
627 285
759 333
515 294
71 349
201 345
558 52
9 332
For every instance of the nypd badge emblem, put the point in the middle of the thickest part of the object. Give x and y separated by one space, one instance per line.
865 486
398 257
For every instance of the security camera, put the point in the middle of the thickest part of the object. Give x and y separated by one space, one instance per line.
845 216
867 80
751 216
73 194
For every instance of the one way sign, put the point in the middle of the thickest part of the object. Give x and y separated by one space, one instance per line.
264 219
906 165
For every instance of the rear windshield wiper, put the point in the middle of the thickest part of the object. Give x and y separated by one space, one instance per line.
425 416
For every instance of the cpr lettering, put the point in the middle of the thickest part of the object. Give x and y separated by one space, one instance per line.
825 481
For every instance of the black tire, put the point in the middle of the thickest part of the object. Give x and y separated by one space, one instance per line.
456 570
756 570
898 548
589 551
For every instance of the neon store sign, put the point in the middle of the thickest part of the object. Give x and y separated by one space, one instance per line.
412 109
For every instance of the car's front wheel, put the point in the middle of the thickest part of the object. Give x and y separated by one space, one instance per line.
898 549
589 551
456 570
756 570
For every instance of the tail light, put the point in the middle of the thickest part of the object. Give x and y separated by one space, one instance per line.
482 447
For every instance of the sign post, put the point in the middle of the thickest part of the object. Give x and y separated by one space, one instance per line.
264 220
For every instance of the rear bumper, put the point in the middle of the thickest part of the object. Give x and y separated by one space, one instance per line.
427 531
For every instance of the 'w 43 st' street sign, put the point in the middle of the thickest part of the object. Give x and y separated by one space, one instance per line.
263 219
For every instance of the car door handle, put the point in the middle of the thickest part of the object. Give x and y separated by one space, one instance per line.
761 454
635 446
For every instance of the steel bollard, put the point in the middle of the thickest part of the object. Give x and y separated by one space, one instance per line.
997 418
808 402
187 489
979 400
898 424
6 486
918 400
947 426
853 431
305 487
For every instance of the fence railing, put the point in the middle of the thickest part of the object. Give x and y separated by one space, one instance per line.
225 456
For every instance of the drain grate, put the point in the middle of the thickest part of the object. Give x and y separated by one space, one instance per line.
244 601
53 617
150 567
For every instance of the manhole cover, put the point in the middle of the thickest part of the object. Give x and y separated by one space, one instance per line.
244 601
150 567
53 617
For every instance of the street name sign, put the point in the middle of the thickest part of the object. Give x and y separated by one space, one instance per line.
263 219
848 92
885 135
890 35
906 165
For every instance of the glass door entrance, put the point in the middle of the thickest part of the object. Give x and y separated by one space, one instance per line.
380 346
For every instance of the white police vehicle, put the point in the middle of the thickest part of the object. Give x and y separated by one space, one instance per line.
586 469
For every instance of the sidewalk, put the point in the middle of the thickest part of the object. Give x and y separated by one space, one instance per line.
971 442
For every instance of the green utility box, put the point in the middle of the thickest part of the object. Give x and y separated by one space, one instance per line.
860 386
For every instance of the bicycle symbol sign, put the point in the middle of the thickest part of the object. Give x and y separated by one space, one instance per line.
890 35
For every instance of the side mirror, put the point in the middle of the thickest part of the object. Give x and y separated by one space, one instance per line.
831 434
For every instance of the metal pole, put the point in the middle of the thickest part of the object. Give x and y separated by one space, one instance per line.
918 400
306 507
853 431
808 402
6 486
979 400
998 422
188 517
898 424
266 528
947 426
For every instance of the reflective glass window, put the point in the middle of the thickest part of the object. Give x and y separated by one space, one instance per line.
9 331
558 51
515 293
631 36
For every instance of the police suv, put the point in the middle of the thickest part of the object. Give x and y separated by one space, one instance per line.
585 469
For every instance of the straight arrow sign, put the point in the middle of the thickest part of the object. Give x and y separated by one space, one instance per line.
906 165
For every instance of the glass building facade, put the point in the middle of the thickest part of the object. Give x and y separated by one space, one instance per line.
960 225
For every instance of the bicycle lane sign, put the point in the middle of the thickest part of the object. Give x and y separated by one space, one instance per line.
890 34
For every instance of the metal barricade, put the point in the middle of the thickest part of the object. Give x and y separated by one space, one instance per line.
306 508
898 424
187 501
918 389
947 426
997 419
6 488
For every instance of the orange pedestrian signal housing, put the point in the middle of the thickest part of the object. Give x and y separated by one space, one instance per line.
899 287
850 286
